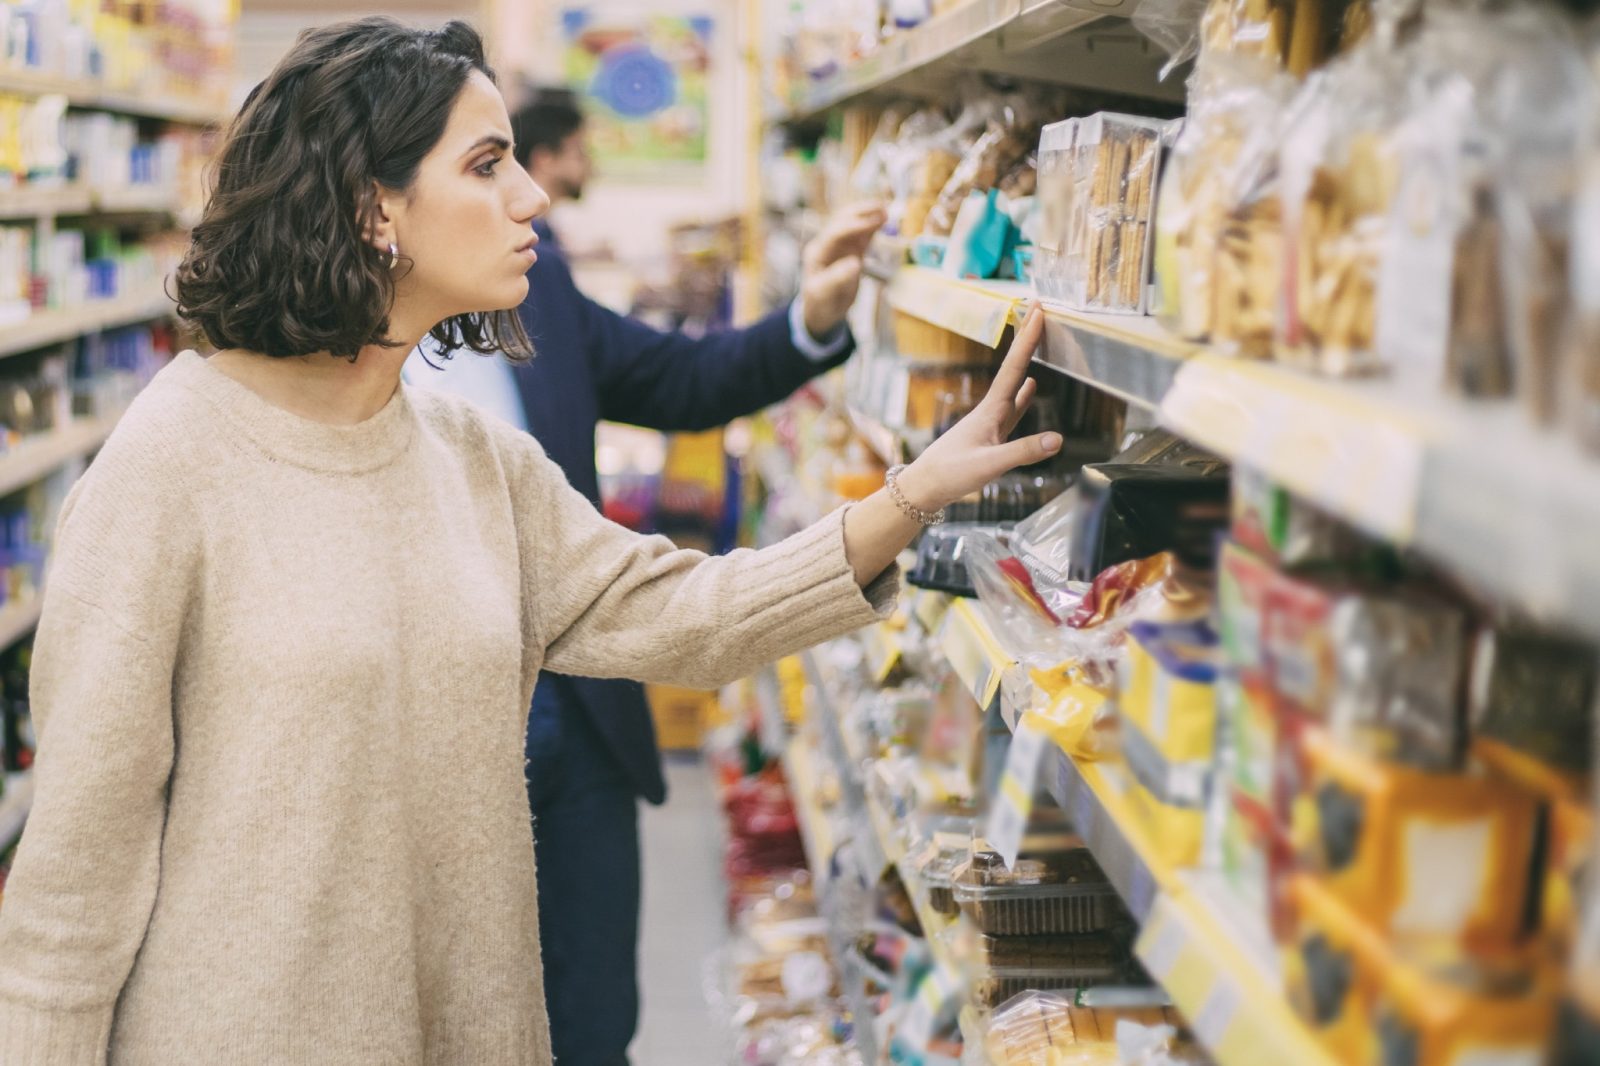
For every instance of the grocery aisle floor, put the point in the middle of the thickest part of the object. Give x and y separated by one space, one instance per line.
683 921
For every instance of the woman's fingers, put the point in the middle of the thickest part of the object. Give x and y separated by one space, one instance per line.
1032 449
1019 407
1008 382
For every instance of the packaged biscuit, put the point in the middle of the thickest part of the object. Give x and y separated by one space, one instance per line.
1006 139
1473 283
1049 1029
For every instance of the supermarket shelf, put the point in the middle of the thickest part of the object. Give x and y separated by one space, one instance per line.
935 926
154 199
44 454
1129 356
92 96
1471 485
815 832
18 619
1093 794
30 202
976 656
52 327
1215 961
14 807
977 310
77 199
1086 48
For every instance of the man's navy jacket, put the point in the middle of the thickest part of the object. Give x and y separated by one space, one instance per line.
593 364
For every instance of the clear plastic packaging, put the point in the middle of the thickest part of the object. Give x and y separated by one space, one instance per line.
1055 259
1097 184
1048 1029
1217 183
993 986
1070 895
1340 176
1006 140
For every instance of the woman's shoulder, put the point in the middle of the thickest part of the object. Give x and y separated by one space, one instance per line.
166 431
463 426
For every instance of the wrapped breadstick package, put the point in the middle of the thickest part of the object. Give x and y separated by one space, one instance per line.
1117 161
1248 285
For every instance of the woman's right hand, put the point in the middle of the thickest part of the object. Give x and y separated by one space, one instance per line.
977 449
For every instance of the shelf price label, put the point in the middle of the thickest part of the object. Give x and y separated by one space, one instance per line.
1013 801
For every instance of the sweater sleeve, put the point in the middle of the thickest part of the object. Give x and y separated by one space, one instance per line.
609 602
81 890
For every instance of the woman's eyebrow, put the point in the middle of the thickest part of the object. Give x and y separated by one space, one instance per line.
492 140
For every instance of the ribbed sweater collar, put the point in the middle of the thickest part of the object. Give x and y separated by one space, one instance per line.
283 435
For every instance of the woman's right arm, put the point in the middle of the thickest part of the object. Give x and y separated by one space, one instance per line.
81 891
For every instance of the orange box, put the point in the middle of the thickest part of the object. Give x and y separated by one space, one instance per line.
1365 1002
1441 858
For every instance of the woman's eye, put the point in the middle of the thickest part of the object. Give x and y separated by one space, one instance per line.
486 170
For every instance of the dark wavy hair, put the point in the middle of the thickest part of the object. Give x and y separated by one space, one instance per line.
281 262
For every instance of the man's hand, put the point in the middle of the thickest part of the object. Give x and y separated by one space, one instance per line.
833 267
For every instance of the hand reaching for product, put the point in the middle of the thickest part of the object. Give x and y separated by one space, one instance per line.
977 449
971 454
833 265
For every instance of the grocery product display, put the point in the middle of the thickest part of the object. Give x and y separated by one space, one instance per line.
1258 725
1321 729
106 123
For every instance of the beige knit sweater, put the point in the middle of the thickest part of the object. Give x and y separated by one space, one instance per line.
281 685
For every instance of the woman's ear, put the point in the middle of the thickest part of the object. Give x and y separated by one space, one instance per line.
380 225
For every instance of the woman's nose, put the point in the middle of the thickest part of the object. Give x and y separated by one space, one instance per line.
529 201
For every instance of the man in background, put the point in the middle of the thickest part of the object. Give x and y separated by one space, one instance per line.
591 744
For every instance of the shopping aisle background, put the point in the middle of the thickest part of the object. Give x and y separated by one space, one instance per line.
684 900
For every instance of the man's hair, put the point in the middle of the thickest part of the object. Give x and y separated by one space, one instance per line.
282 262
546 120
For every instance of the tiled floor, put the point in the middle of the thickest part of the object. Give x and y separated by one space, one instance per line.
683 922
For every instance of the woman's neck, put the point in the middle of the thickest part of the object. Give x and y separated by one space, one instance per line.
321 387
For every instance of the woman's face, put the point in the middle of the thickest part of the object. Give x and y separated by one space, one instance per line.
463 228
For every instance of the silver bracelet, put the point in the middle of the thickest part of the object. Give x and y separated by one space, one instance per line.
891 481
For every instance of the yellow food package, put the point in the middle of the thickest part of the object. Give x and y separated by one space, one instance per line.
1366 1003
1442 860
1166 701
1074 713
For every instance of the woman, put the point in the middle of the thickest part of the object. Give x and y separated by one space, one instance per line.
297 609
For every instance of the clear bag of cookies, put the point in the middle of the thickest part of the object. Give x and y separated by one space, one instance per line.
1339 176
1220 178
